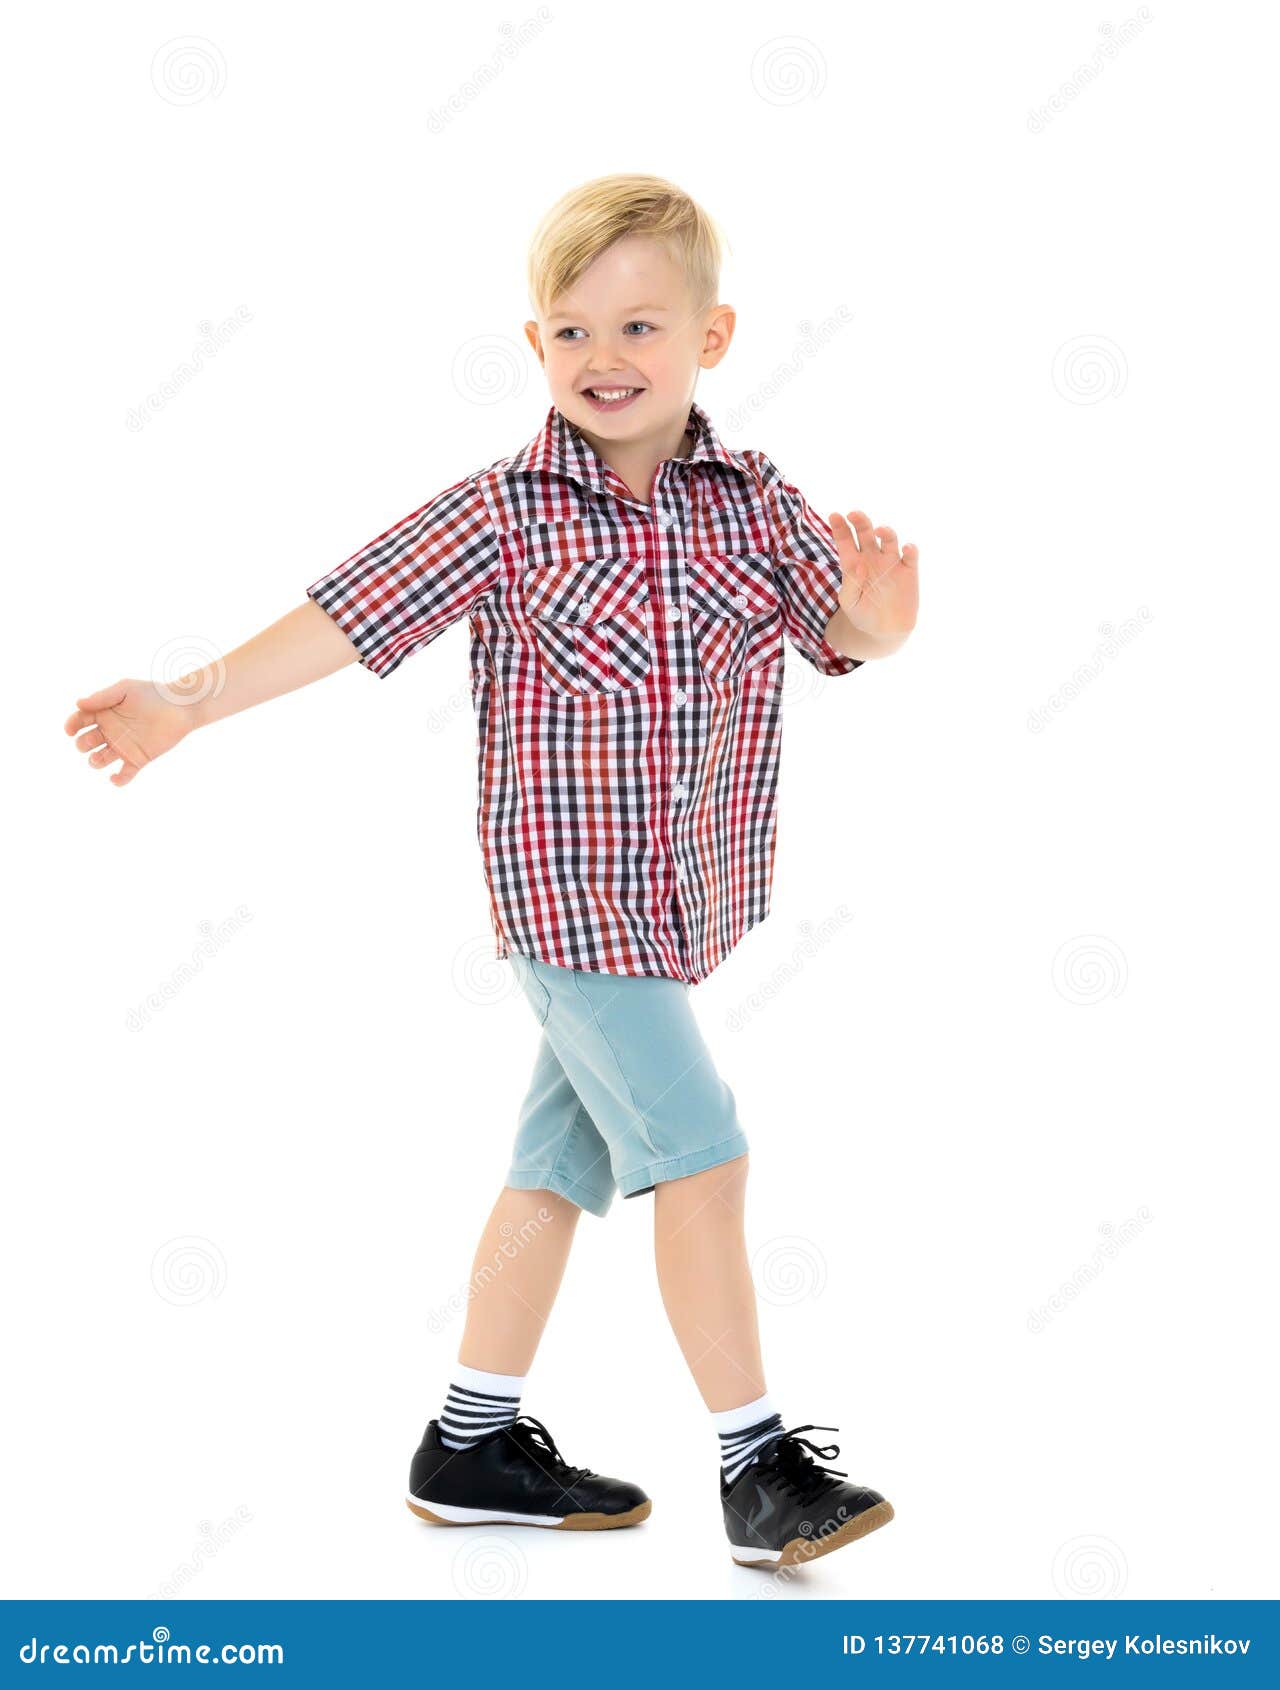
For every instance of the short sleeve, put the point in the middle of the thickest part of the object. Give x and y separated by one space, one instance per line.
409 584
806 570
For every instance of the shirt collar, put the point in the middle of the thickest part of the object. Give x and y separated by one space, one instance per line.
559 448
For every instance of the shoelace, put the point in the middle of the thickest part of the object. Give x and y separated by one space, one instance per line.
798 1471
533 1436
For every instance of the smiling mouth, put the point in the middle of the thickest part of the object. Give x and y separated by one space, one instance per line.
611 395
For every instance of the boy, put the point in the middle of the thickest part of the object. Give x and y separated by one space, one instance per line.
628 583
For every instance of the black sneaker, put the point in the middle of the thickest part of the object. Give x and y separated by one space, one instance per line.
785 1509
516 1476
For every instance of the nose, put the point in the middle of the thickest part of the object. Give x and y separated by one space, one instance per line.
604 359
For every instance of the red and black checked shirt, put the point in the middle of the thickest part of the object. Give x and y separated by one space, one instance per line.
626 673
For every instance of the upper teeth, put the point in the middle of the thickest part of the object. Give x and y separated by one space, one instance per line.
613 392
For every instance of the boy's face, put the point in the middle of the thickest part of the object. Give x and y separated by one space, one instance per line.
629 323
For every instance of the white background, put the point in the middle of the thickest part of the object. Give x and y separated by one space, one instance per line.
1038 1053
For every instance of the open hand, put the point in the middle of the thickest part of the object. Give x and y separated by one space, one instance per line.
880 590
132 722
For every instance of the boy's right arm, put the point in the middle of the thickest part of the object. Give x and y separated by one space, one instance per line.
134 722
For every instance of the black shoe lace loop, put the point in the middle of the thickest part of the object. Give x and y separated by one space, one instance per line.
797 1469
534 1438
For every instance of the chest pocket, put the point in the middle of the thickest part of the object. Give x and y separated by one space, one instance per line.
734 611
590 620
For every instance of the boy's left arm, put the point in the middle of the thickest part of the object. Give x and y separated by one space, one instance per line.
880 588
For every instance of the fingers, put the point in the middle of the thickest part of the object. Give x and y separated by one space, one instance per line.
865 532
883 539
94 743
85 714
106 698
888 542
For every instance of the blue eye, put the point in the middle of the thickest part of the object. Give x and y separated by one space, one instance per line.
635 324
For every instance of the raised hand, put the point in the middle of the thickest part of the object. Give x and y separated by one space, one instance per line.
132 722
880 592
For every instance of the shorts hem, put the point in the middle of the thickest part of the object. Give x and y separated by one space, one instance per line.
534 1179
676 1167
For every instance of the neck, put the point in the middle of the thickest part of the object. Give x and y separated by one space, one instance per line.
634 461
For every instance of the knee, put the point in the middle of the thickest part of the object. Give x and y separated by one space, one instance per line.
725 1184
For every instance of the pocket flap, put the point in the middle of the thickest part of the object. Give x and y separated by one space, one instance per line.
590 590
733 583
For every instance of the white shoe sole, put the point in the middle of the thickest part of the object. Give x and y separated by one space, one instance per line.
448 1514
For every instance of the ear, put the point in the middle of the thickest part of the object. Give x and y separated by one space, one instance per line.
718 332
534 338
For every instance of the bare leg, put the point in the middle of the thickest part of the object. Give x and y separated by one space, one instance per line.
705 1279
518 1267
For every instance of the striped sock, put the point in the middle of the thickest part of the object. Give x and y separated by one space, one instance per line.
743 1434
478 1403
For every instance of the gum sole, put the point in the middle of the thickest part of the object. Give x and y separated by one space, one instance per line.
570 1523
802 1549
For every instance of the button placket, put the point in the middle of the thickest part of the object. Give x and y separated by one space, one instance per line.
675 620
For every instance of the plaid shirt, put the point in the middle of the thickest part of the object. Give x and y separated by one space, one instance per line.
626 673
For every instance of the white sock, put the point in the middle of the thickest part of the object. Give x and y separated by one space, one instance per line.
744 1432
478 1403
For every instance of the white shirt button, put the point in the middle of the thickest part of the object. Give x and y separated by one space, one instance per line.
679 697
679 871
679 790
673 613
741 601
666 518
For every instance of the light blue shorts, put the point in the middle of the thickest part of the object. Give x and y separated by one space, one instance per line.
624 1092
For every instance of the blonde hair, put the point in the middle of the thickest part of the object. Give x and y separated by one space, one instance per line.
592 216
